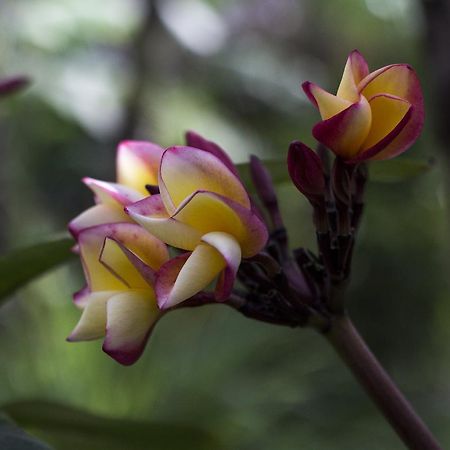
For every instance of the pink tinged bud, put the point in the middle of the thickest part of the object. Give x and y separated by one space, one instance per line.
306 171
9 86
373 116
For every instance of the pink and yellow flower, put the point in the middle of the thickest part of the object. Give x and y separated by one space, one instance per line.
137 165
373 116
202 208
120 261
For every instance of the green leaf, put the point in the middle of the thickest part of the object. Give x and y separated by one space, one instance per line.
21 265
397 170
68 428
13 438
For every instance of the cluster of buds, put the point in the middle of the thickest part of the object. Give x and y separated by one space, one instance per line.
191 199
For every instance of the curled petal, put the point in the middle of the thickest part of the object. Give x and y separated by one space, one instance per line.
195 140
112 193
329 105
92 323
130 318
207 212
152 215
345 132
98 215
81 297
230 250
137 164
144 270
103 270
179 280
355 70
167 276
390 116
185 170
119 264
398 80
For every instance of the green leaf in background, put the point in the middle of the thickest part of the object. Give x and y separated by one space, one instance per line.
68 428
20 266
391 171
397 170
13 438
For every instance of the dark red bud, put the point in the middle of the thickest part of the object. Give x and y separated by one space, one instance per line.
306 170
266 192
262 180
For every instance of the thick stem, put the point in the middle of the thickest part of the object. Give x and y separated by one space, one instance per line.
379 386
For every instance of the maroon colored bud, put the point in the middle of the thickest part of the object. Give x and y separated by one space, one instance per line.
266 192
11 85
306 170
262 180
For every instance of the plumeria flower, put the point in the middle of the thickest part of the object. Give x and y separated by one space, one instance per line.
202 208
374 115
137 165
120 261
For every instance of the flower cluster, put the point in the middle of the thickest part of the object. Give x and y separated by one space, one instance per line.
186 197
190 198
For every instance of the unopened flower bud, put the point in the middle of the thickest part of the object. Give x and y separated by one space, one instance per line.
306 171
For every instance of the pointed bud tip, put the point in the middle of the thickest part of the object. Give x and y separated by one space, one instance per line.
306 171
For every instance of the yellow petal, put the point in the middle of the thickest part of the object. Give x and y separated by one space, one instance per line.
397 80
130 318
329 105
345 133
355 70
207 212
114 259
92 323
98 276
137 164
200 269
185 170
112 193
152 215
97 215
387 112
106 266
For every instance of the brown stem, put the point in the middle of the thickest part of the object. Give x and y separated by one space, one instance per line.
373 378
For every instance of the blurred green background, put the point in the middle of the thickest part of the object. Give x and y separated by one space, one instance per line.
103 71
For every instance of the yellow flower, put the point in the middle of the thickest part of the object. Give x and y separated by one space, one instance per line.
374 115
